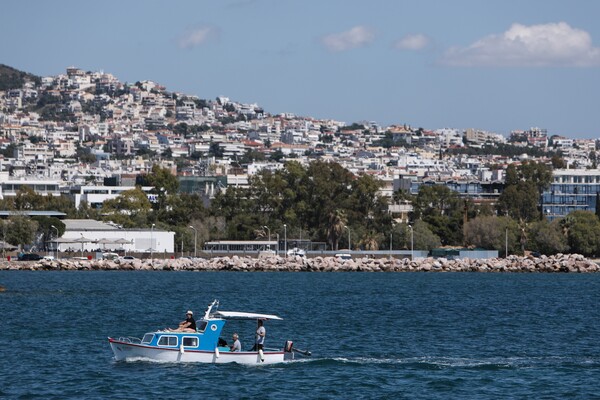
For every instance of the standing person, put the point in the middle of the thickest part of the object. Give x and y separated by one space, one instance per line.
260 339
189 325
237 346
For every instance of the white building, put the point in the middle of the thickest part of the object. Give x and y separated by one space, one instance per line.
88 235
94 196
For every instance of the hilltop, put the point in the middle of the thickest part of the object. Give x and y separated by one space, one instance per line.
12 78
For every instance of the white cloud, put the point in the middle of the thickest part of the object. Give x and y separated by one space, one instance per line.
359 36
554 44
197 36
412 42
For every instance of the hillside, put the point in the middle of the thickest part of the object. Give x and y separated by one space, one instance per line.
11 78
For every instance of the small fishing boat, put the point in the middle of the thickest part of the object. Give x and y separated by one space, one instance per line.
203 346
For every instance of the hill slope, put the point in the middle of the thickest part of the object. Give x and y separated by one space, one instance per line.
11 78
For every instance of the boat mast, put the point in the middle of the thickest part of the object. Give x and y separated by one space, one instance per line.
215 303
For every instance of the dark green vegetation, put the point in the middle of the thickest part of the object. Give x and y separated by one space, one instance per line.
324 202
11 78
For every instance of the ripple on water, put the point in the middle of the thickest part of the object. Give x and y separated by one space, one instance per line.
433 336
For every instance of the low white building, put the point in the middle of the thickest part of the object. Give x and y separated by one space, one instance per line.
88 235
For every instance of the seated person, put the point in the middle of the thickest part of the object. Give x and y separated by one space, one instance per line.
237 346
189 325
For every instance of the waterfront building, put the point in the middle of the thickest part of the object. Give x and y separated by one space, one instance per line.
571 190
88 235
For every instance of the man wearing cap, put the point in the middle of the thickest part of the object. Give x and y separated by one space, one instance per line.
189 325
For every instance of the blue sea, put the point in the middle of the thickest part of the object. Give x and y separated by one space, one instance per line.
372 335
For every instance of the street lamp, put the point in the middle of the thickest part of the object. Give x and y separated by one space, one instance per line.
81 245
506 243
412 243
349 243
391 237
278 244
56 243
195 240
151 242
267 228
285 239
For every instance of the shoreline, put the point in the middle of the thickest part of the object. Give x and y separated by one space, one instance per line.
563 263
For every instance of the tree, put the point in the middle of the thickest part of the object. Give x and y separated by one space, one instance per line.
520 201
215 150
20 230
45 227
492 233
28 199
130 209
180 209
538 173
313 200
584 233
277 155
209 228
85 155
163 181
547 238
524 186
423 237
370 240
335 228
442 209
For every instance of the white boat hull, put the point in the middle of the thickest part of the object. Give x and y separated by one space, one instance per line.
131 352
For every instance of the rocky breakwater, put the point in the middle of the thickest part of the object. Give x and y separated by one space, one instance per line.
574 263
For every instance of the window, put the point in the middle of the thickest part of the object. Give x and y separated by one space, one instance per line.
167 341
147 338
201 326
190 341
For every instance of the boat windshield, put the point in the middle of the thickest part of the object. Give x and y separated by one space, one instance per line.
148 338
201 326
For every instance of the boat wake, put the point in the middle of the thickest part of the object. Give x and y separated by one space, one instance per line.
491 363
143 360
431 363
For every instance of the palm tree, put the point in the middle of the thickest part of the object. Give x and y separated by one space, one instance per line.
335 227
370 240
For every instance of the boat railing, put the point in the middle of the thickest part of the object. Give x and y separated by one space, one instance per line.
130 339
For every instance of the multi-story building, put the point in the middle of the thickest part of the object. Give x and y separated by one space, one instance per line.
10 187
571 190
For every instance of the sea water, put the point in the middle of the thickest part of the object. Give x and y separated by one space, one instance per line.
372 335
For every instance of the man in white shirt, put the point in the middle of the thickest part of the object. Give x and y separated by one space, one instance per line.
237 346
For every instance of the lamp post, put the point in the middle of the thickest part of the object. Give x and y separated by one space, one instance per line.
195 241
152 242
285 239
412 243
56 243
349 243
81 245
267 228
506 243
391 245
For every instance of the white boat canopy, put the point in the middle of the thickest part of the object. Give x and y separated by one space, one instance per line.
245 315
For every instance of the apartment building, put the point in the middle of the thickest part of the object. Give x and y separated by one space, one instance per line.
571 190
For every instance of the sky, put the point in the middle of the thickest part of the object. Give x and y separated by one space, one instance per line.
495 65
